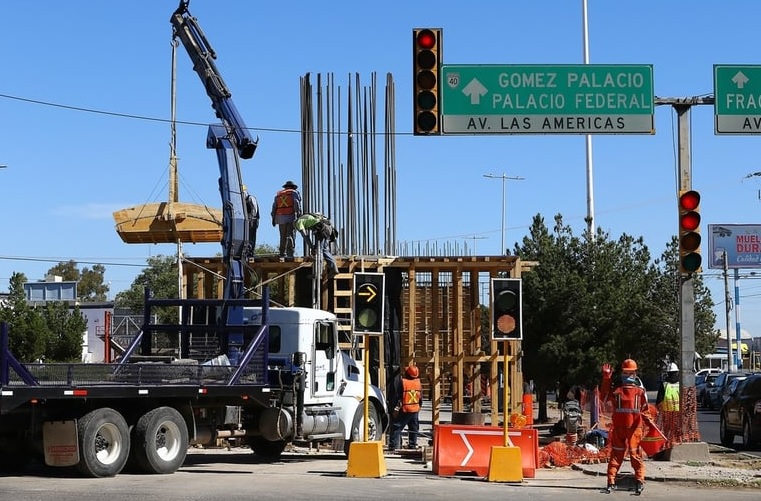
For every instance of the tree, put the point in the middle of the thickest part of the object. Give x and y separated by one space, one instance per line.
52 333
161 278
66 330
90 286
595 300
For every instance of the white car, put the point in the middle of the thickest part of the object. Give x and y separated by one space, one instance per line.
713 370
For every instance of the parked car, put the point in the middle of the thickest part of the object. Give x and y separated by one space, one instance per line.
703 383
720 388
741 413
711 370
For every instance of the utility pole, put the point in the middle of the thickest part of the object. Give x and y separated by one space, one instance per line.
682 107
731 367
504 178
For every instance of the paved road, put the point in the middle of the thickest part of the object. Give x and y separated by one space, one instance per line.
237 475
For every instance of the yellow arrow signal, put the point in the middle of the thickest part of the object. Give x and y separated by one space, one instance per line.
368 290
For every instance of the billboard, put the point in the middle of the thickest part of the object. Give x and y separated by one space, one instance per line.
741 242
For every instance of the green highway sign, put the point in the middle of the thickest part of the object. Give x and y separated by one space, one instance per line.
737 99
541 99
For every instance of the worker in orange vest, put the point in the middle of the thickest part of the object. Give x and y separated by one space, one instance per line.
285 210
408 398
628 403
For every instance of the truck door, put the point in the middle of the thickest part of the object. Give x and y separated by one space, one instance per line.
324 347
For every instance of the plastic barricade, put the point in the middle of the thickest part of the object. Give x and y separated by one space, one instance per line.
467 449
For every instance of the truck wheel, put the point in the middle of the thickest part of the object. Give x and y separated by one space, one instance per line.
726 437
160 441
267 449
103 438
375 428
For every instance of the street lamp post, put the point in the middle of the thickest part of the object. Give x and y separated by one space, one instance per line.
504 178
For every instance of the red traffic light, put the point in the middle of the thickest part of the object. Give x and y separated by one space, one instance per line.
426 62
426 39
689 232
689 200
689 221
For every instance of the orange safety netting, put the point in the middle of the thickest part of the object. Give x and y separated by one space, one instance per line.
681 426
677 427
563 454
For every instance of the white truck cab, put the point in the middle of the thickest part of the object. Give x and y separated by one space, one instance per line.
328 384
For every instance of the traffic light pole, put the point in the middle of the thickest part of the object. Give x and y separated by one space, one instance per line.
687 397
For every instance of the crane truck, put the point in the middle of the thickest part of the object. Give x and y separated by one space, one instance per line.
230 368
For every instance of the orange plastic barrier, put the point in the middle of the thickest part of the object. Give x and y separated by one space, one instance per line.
467 449
528 408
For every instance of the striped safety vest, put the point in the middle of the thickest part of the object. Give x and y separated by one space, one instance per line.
411 393
284 204
670 400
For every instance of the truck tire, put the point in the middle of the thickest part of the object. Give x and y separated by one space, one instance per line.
375 427
267 449
103 437
160 441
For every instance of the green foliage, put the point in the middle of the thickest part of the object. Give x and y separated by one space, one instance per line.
161 278
595 300
90 286
52 333
66 329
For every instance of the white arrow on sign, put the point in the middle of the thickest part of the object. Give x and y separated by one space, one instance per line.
475 90
464 436
740 79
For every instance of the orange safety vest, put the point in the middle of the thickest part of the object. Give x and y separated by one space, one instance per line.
284 205
411 394
629 403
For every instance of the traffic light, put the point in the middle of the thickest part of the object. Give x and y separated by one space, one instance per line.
506 309
367 315
689 232
426 62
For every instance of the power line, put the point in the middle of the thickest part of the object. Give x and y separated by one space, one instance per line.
78 261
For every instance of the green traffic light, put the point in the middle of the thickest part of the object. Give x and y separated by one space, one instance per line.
367 318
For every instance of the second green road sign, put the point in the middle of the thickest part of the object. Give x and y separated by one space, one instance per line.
541 99
737 105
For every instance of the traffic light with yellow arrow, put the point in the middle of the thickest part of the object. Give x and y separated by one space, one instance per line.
367 315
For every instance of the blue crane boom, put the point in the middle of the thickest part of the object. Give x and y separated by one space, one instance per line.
232 141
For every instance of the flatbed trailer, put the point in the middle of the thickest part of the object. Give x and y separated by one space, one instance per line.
293 385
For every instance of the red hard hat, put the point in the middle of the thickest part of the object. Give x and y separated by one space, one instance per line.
629 365
412 371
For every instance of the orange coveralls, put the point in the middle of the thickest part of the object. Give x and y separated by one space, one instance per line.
628 403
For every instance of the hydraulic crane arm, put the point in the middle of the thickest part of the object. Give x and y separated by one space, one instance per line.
198 48
232 141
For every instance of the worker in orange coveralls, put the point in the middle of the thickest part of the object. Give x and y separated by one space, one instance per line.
629 409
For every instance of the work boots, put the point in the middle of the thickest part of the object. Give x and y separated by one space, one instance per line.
610 488
638 488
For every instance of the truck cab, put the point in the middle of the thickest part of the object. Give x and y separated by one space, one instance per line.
325 382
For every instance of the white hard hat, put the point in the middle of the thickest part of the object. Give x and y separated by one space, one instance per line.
672 367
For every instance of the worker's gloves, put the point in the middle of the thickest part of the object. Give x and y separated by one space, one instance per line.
607 371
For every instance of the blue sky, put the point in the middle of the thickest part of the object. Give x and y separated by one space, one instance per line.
69 170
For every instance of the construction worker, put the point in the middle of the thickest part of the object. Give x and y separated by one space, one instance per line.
252 210
408 396
319 233
667 402
628 403
286 208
